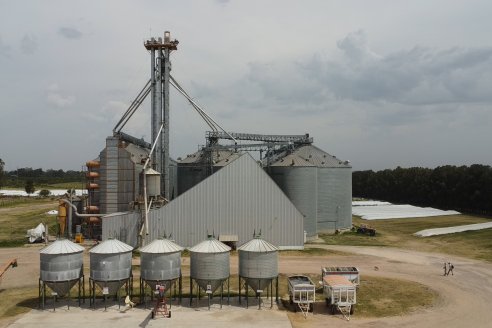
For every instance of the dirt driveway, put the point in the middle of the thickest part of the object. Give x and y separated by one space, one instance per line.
464 300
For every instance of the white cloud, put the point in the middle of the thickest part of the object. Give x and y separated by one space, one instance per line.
29 44
70 33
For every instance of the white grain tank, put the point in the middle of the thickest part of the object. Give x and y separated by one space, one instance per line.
210 263
111 264
153 182
160 262
61 265
258 263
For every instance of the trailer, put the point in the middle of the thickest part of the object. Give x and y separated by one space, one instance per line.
351 273
340 295
302 293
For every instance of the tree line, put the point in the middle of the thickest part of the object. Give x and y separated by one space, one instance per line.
20 177
463 188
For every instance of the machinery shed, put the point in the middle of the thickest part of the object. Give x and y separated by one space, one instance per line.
233 202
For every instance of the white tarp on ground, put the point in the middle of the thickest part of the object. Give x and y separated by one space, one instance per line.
36 234
374 210
52 212
53 192
443 231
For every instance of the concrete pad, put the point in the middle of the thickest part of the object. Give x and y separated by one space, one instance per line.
234 315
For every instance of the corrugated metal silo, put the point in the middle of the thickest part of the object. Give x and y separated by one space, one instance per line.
61 265
299 181
111 264
210 263
160 262
153 182
258 263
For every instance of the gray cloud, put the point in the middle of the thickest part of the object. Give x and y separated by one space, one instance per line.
4 49
29 44
69 32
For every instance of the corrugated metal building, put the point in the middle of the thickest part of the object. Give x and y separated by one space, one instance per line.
319 185
194 167
231 203
120 171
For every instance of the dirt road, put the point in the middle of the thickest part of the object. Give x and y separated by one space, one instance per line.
464 300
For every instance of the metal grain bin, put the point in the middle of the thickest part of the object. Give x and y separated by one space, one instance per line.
61 265
210 263
298 180
258 263
334 198
160 262
111 264
153 182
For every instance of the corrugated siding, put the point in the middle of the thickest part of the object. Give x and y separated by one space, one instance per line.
300 185
123 227
334 199
237 200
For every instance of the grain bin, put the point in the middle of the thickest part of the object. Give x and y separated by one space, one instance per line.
160 264
258 266
153 182
209 265
61 267
111 267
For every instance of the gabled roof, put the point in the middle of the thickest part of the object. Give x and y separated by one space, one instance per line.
111 246
258 245
62 246
161 246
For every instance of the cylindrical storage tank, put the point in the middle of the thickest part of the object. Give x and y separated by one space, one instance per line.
334 198
111 264
210 263
92 175
160 262
92 209
153 182
258 263
93 164
298 180
61 265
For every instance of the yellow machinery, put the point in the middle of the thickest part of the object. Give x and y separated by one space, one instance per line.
62 217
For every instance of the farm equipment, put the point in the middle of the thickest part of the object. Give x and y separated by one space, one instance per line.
12 263
161 303
340 295
302 293
364 229
351 273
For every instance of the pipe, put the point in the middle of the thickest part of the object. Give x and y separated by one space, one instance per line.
79 214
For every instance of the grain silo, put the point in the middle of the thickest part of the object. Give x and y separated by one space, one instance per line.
258 267
61 267
160 264
111 268
319 185
209 267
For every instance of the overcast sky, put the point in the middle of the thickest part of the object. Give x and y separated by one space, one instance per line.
380 83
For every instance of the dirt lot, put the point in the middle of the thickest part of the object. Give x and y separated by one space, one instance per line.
464 298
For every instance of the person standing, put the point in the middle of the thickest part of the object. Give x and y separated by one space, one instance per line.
451 267
445 269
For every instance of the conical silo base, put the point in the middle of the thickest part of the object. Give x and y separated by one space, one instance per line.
214 284
258 284
166 283
113 286
62 288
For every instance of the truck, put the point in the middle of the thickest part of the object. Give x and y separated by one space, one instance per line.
340 294
302 293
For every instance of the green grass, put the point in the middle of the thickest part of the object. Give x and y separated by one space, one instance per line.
311 251
399 233
61 185
384 297
17 218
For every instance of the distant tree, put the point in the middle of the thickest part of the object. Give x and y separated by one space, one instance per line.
2 165
44 193
29 187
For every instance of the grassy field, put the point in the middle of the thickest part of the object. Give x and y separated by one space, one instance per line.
62 185
399 233
17 218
